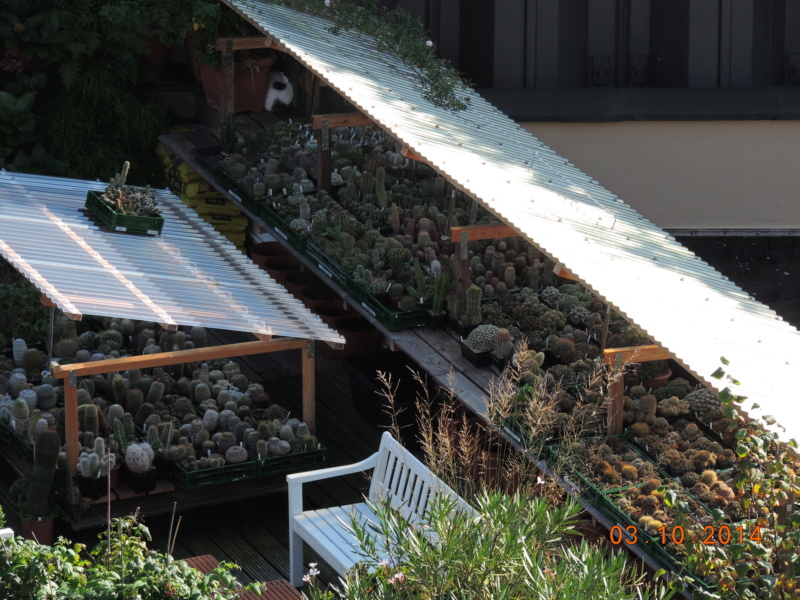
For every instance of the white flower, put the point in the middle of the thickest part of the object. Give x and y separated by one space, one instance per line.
397 578
429 43
327 2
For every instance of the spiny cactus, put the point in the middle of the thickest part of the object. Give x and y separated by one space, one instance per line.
472 308
481 339
44 467
139 458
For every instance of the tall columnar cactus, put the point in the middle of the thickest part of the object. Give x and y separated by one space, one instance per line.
503 344
44 468
419 280
18 349
438 188
90 421
120 386
440 290
510 277
446 266
471 317
380 187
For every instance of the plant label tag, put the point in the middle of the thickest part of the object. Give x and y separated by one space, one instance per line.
120 229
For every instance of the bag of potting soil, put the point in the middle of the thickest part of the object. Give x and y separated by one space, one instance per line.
237 238
183 172
222 222
193 189
212 205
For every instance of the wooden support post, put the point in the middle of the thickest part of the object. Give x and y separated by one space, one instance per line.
227 79
71 422
616 391
309 387
324 162
561 271
410 154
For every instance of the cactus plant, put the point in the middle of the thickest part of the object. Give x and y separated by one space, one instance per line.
46 453
139 458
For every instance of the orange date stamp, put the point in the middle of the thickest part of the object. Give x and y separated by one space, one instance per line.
711 535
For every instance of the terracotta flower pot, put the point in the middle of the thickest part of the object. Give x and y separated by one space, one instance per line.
330 310
260 252
278 267
39 531
657 382
250 82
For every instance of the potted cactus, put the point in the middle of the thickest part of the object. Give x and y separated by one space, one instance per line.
437 316
93 470
36 510
503 349
479 344
139 471
654 374
126 208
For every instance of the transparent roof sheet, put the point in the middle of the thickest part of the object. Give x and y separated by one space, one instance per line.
674 297
189 275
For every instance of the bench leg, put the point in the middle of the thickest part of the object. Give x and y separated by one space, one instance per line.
295 559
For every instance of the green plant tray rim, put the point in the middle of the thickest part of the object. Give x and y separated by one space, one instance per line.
20 446
296 240
291 463
207 477
121 223
393 320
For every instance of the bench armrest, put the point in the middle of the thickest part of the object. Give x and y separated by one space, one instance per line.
295 481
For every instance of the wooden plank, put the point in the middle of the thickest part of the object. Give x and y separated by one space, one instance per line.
354 119
616 390
481 232
561 271
635 354
309 387
410 154
253 42
172 358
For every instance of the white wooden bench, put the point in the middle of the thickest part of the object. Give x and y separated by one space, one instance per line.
397 475
6 533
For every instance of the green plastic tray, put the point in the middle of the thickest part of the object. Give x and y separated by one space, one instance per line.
291 463
207 477
121 223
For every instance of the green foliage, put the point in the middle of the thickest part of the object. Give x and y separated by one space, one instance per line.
89 116
120 567
398 33
22 314
762 563
514 548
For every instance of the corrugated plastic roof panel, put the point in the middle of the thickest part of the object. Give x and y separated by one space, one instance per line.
675 298
189 275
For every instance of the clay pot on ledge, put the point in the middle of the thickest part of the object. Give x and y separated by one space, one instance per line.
41 531
250 83
657 382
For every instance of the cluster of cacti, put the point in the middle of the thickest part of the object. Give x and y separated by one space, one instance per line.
702 401
481 339
129 200
97 462
607 463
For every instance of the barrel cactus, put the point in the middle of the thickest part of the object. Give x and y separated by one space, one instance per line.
139 458
481 339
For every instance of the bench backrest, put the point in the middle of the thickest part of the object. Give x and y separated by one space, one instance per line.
411 485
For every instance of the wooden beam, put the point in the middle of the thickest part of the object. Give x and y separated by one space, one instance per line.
410 154
635 354
561 271
324 160
71 425
309 387
616 396
46 301
341 120
172 358
254 42
481 232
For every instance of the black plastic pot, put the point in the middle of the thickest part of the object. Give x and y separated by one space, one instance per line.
141 482
91 487
437 321
479 359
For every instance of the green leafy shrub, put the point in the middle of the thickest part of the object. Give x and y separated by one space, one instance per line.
121 566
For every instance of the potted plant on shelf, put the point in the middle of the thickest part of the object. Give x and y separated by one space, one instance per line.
437 316
139 471
37 513
654 374
251 67
126 208
93 470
